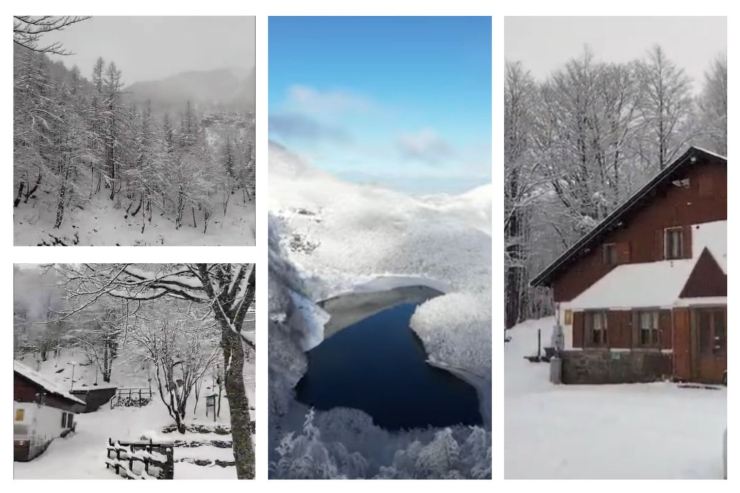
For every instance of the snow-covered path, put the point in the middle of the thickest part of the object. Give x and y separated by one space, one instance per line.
638 431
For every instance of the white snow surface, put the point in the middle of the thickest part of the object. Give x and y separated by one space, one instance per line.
103 222
713 237
627 431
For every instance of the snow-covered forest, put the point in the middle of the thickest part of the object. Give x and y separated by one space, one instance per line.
100 161
183 334
581 141
329 236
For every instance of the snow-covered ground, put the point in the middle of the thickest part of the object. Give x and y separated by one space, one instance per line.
81 455
329 237
630 431
102 223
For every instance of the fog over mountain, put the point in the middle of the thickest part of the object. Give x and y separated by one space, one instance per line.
209 88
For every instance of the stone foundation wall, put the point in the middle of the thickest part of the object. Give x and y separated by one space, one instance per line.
597 366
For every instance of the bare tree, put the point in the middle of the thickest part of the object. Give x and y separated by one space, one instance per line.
666 106
713 106
28 30
179 357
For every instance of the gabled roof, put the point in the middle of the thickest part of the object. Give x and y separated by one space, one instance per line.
43 382
634 203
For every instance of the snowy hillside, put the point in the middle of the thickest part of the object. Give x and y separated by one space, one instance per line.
102 222
328 237
636 431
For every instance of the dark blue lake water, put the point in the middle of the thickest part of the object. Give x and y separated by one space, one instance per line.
379 365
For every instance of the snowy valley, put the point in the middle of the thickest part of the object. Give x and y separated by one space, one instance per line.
328 238
98 161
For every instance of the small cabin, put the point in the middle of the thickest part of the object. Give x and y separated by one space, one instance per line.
42 411
643 296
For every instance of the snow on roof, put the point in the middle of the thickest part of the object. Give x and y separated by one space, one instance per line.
713 237
654 284
44 382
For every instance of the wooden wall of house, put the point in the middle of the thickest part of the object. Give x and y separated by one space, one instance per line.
707 279
25 390
682 343
640 239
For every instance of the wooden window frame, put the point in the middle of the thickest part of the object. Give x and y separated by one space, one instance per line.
655 337
716 314
603 331
667 251
20 414
609 254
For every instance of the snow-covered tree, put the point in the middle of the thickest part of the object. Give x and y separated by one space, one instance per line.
226 290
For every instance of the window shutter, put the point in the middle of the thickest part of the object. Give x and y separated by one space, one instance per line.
635 326
666 329
658 253
578 323
687 241
64 419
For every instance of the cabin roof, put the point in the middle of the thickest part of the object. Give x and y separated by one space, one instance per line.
637 201
43 382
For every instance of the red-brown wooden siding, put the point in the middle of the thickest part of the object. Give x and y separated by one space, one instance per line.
707 279
25 390
641 237
681 343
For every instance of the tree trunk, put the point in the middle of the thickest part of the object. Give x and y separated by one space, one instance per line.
241 432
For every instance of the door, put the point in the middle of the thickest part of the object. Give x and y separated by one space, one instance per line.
709 344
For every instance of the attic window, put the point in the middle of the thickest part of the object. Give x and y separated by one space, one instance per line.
673 243
609 254
682 183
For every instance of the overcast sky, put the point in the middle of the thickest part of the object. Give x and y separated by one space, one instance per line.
544 44
147 48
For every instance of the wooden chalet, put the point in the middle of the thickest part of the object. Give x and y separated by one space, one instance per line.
649 283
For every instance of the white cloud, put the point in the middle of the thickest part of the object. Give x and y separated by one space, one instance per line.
425 145
306 99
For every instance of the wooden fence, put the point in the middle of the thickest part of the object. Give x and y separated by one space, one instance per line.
132 397
141 460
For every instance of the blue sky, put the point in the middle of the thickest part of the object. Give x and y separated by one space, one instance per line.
403 102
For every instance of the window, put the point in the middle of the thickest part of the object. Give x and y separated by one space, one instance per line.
20 414
64 420
70 420
648 328
596 326
610 254
711 328
673 243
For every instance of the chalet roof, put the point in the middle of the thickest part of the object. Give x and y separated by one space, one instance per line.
655 284
638 200
43 382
